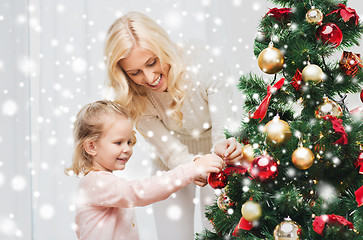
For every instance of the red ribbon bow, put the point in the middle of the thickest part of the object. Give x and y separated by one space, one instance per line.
296 80
243 224
319 222
262 109
279 13
346 13
338 127
359 196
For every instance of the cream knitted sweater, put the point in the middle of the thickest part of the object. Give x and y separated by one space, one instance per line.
207 110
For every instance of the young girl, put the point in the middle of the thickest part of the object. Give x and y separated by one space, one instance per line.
104 136
181 102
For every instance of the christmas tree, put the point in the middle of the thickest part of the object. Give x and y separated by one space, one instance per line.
302 171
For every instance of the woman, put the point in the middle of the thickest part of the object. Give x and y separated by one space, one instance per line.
180 103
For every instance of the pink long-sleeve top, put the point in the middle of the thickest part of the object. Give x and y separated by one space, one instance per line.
105 202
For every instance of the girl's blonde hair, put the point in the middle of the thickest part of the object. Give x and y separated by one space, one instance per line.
137 29
89 125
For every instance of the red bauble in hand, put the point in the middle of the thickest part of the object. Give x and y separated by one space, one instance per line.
329 33
263 167
218 180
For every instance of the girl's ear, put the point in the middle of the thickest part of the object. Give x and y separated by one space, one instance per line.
89 147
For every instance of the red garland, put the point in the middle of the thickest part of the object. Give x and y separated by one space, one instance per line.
346 13
243 224
296 80
359 196
262 109
319 222
279 13
338 127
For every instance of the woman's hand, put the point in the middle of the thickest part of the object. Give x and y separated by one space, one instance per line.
229 150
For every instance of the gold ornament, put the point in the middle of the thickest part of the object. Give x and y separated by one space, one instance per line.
328 107
302 158
251 211
287 230
248 153
271 60
278 131
312 73
314 16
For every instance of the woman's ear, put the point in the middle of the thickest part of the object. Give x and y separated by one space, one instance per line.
89 147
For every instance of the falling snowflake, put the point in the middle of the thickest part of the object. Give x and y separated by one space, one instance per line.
10 107
174 212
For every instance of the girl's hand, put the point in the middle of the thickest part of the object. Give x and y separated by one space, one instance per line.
207 164
229 150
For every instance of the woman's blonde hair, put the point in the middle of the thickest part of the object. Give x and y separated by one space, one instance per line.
89 125
125 33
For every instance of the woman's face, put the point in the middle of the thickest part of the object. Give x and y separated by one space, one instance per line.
144 68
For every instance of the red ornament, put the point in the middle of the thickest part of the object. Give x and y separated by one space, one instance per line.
217 180
361 95
346 13
319 222
279 14
329 33
350 63
263 167
296 80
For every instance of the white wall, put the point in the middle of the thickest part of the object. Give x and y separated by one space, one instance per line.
51 63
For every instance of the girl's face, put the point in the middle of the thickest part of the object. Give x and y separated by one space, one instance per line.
144 68
114 148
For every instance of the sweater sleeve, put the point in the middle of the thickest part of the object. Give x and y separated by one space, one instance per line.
104 189
170 149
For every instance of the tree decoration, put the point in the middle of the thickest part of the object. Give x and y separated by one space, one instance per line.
296 80
242 224
278 131
261 111
224 202
263 168
361 95
302 158
218 180
312 73
346 13
321 221
338 127
350 63
329 33
287 230
328 107
251 211
280 14
359 162
314 16
248 153
357 112
271 60
359 196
